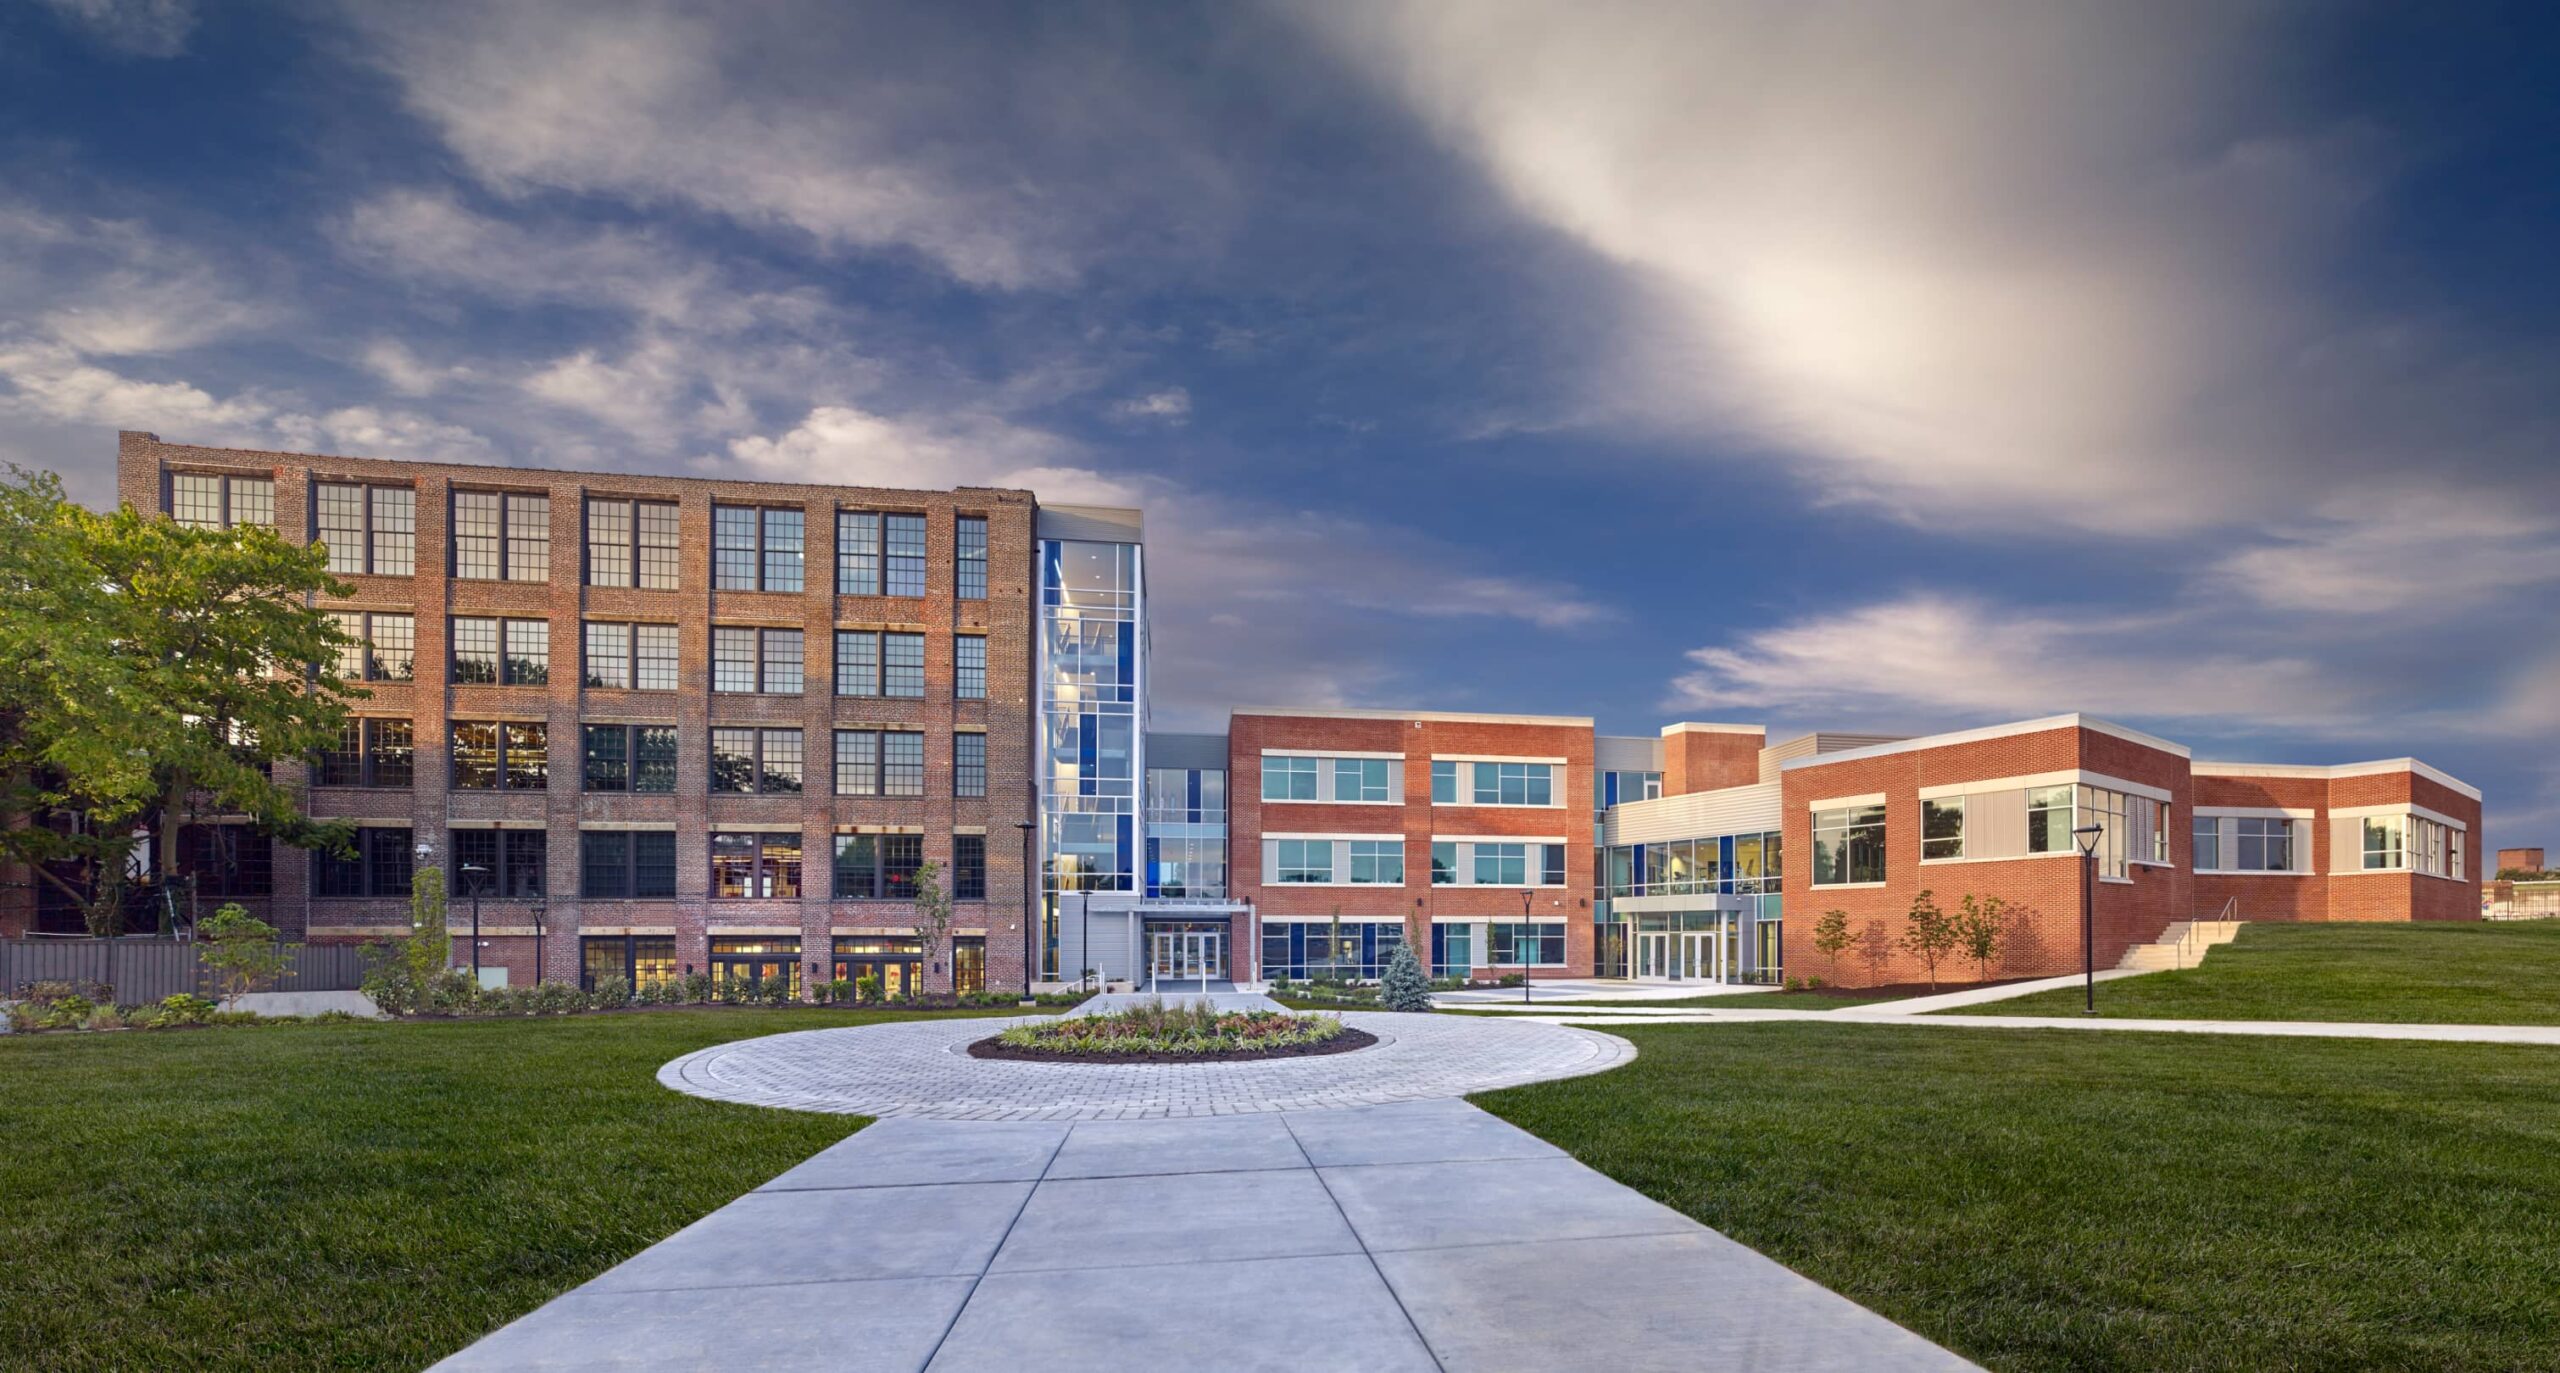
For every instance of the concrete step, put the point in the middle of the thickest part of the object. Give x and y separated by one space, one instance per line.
2183 945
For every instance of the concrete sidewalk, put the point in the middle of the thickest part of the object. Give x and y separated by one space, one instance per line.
2306 1029
1425 1235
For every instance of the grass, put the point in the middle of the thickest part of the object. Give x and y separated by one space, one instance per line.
2505 973
1745 1001
2057 1199
354 1196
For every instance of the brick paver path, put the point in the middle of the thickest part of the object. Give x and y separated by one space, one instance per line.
922 1068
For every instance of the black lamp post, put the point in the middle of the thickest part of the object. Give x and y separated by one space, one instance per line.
478 877
537 911
1518 945
1026 826
2088 837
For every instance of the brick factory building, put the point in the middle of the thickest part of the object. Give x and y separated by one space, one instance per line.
669 725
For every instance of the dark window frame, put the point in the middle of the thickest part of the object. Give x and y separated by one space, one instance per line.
966 585
638 546
507 536
759 775
381 866
506 671
763 550
762 658
499 760
370 555
367 756
627 863
512 874
865 868
968 867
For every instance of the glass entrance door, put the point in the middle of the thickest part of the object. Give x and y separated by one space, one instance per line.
1654 955
1701 955
1186 956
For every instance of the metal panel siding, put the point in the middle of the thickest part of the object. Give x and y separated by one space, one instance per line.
1733 810
1995 824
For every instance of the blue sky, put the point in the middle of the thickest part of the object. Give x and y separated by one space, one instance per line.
1879 367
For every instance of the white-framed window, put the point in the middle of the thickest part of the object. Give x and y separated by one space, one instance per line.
1942 827
1288 779
1514 784
1360 779
2385 842
2208 841
1848 846
1502 865
2262 844
2049 819
1444 782
1377 862
1444 863
1302 860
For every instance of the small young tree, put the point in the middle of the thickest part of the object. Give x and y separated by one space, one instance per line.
1928 936
1831 938
1981 927
241 952
933 915
1404 987
1875 948
430 941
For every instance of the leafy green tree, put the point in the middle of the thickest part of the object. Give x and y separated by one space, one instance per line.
241 952
1404 987
1831 938
150 670
1981 928
430 938
1928 935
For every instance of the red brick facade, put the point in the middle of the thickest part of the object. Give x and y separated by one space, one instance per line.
1710 757
431 807
1417 737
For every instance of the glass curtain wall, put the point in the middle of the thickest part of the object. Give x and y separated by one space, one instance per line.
1092 664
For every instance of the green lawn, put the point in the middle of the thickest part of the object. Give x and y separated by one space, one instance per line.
2458 974
353 1196
2058 1199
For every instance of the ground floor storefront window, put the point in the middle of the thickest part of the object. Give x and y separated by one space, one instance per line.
897 962
969 964
1353 950
1452 950
744 964
643 960
1537 946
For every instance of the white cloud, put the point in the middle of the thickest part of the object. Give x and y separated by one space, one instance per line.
115 287
1924 658
2025 263
908 130
400 368
1171 406
2385 550
142 28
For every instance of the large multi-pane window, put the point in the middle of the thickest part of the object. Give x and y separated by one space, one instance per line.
640 758
883 555
208 500
2050 819
641 657
904 537
756 660
1514 784
386 647
878 866
755 865
508 755
968 764
1444 782
379 865
224 860
1303 860
758 549
632 864
880 663
499 863
1377 862
1848 845
969 667
640 960
756 760
2262 844
875 762
969 557
501 652
1502 865
968 867
632 543
1530 945
369 753
1288 779
501 536
1360 779
1942 827
369 529
2385 842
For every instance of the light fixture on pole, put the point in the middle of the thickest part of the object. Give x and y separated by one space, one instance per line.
1028 924
2088 835
477 876
1519 941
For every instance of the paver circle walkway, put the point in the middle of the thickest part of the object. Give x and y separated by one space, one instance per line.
921 1068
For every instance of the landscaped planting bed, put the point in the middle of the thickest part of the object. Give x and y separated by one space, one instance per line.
1161 1033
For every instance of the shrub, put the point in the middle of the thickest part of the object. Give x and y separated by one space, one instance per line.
183 1008
1158 1027
105 1017
450 992
554 998
1404 988
609 993
866 987
697 989
241 951
390 981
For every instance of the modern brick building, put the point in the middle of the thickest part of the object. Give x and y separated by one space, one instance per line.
668 725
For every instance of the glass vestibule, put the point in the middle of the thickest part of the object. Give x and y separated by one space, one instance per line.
1193 951
1716 946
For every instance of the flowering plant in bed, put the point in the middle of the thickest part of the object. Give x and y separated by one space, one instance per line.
1158 1030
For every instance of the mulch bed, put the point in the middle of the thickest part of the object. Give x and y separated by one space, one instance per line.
1342 1043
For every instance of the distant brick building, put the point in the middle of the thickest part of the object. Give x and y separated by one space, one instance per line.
669 725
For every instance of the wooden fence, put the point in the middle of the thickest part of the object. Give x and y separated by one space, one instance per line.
140 970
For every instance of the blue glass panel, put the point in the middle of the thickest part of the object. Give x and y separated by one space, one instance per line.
1154 846
1724 869
1127 846
1635 875
1053 574
1608 789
